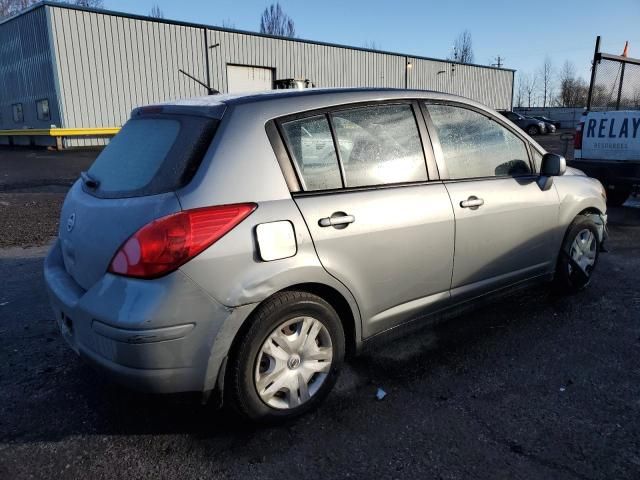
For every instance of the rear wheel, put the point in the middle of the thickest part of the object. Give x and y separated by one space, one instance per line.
578 256
288 360
533 130
617 195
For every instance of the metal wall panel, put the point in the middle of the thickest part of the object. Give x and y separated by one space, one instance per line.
26 72
331 66
489 86
108 65
324 65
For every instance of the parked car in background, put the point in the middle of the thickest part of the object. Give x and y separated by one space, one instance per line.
549 127
529 125
544 119
250 245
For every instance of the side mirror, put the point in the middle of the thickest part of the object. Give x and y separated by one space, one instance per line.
553 165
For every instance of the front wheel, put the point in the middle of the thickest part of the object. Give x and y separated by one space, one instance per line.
578 256
288 360
533 130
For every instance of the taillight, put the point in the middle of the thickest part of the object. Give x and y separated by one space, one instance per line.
165 244
577 139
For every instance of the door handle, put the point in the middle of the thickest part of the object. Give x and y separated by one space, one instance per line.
472 202
337 220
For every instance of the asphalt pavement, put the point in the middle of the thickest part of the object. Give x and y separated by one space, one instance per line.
532 386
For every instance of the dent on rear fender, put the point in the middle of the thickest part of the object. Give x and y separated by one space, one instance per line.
260 283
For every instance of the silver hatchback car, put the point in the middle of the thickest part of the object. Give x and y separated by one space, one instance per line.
244 244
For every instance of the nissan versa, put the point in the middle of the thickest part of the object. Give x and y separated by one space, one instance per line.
242 245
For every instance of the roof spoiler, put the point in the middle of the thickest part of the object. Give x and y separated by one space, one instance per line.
200 110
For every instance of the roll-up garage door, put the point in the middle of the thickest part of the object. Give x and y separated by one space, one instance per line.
248 79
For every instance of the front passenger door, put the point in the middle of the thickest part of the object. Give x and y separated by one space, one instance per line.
506 225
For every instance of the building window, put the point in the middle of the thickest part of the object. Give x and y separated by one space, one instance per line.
18 115
42 107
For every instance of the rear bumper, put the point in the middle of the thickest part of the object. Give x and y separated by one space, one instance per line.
164 335
610 172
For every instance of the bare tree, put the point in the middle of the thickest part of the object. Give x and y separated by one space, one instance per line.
87 3
227 23
567 81
275 22
11 7
529 86
520 91
371 45
546 79
573 89
462 48
156 12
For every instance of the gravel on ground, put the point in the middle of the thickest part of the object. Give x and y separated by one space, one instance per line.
29 219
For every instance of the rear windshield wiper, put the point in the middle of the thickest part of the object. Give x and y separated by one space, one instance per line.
89 181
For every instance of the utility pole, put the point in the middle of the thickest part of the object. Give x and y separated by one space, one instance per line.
499 62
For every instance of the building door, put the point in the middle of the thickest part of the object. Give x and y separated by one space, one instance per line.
241 78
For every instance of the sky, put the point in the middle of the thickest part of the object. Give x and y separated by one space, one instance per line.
523 33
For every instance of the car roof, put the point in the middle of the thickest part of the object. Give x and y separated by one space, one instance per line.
322 95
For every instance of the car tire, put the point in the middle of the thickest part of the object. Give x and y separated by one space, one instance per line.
269 383
533 130
617 196
578 256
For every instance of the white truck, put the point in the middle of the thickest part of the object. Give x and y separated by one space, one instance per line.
607 147
607 140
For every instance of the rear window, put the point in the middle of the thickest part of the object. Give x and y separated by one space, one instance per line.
152 155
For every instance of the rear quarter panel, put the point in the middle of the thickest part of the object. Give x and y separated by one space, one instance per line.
241 166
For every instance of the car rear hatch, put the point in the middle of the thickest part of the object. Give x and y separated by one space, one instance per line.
131 183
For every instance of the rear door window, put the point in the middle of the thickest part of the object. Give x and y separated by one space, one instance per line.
312 148
379 145
152 155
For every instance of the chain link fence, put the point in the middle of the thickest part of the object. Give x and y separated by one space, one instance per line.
616 84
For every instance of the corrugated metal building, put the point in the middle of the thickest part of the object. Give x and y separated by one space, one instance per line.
76 67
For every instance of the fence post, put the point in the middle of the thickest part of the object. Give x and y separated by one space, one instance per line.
596 58
620 85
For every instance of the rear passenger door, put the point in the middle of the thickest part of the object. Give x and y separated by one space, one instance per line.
378 224
506 225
